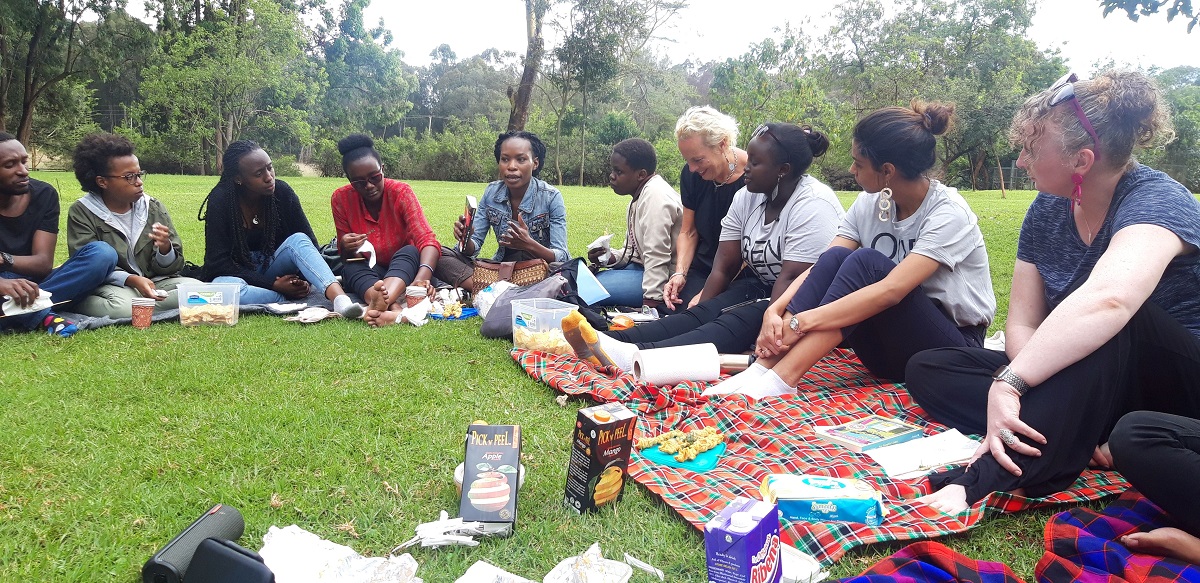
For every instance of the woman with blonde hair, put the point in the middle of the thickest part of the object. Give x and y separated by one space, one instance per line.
713 172
1103 317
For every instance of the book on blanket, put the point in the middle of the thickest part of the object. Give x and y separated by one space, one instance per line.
868 433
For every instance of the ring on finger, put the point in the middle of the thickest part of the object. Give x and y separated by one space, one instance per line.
1006 437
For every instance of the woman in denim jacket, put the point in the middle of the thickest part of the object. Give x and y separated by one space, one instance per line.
537 231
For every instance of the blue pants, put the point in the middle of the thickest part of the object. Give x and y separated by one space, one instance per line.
884 342
296 254
624 285
75 279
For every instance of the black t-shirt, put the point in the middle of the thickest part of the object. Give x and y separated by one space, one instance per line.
16 233
710 203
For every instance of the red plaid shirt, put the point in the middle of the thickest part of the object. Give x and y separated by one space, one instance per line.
401 221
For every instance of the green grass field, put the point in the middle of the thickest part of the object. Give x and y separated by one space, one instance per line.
116 439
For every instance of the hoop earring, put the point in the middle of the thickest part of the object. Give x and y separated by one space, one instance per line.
885 204
1077 193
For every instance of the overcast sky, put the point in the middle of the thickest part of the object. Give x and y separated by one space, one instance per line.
719 29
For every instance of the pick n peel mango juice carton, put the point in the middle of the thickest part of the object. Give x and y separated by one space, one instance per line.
600 449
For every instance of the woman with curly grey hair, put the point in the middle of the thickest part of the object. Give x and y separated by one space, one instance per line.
1103 315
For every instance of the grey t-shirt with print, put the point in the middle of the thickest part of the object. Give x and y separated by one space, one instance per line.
804 229
943 229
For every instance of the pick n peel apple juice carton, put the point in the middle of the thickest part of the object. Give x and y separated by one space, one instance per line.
741 544
599 456
490 476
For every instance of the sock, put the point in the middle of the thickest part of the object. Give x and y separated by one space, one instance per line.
768 385
738 381
606 348
574 336
56 325
347 308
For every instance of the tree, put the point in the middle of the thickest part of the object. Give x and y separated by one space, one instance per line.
237 70
535 50
42 44
1138 8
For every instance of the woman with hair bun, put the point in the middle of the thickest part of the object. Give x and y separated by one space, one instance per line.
257 235
907 270
778 224
1103 317
386 213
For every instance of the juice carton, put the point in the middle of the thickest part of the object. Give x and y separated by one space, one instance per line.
741 544
490 477
599 456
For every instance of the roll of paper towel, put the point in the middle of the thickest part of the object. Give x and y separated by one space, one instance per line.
669 366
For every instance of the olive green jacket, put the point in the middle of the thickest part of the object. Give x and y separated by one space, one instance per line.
85 226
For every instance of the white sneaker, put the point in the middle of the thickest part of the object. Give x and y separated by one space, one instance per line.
995 341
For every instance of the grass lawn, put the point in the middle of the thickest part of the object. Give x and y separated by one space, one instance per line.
116 439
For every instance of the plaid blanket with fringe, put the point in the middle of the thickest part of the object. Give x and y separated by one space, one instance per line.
775 436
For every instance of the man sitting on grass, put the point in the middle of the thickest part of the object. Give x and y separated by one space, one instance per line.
28 234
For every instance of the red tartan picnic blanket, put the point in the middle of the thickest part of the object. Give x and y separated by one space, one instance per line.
775 436
1081 546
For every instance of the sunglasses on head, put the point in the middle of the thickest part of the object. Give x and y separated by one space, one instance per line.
1064 90
375 178
764 130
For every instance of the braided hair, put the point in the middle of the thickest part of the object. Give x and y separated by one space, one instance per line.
535 144
226 192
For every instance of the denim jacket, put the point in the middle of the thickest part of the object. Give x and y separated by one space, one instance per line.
542 209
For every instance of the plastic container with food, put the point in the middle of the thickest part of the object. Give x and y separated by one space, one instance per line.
537 325
208 303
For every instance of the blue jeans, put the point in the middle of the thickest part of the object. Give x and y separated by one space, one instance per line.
75 279
624 285
884 342
296 254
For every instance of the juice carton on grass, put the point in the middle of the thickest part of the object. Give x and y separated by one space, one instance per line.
490 477
599 456
741 544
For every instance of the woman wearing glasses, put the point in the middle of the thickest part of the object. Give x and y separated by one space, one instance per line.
385 213
116 211
907 270
1103 317
256 235
778 224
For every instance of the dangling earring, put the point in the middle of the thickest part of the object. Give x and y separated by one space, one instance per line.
1077 194
775 193
885 204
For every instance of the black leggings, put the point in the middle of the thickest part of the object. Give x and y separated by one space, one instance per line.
1152 363
358 277
1159 454
732 331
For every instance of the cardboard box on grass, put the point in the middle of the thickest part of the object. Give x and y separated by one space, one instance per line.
599 456
490 477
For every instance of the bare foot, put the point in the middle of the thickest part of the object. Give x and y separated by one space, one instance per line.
377 297
378 318
949 500
1165 542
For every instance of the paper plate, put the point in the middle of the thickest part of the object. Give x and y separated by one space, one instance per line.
703 462
466 313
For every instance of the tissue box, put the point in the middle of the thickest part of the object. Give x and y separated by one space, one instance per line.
537 325
824 499
208 303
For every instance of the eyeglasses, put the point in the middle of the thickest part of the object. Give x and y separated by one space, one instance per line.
763 129
131 177
1064 90
375 178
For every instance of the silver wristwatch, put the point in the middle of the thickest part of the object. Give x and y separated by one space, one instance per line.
1005 374
794 323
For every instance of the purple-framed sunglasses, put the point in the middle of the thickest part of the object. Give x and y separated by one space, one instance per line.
1064 90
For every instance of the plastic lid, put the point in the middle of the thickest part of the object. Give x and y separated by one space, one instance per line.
742 522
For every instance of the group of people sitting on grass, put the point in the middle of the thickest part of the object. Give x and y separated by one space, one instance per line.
1102 360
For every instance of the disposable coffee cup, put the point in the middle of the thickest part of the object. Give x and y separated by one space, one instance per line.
413 294
142 310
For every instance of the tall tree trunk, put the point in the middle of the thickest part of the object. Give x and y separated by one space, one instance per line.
1003 192
583 135
558 148
535 11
